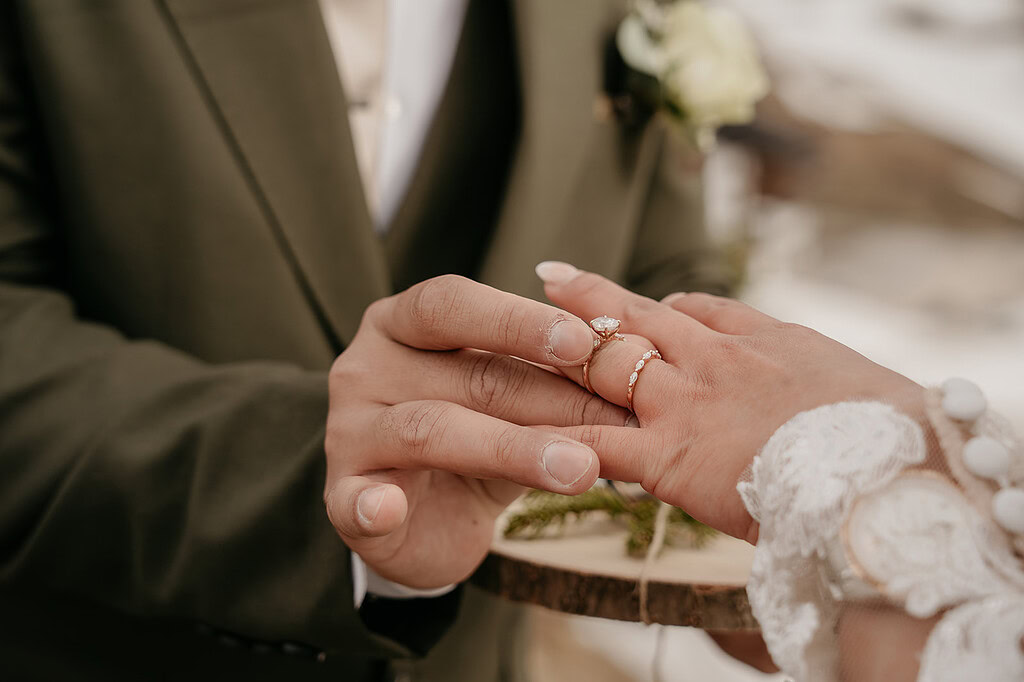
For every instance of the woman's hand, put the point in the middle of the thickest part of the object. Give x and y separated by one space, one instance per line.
730 376
428 439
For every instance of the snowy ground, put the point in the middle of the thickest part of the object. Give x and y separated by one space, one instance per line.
949 67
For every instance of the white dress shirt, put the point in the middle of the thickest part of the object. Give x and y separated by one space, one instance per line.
393 58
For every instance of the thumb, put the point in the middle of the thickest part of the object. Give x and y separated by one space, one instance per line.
360 507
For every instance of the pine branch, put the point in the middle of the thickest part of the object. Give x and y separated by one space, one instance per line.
544 510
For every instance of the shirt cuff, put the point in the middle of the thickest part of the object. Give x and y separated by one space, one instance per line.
366 580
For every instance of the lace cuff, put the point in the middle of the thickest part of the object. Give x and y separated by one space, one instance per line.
855 507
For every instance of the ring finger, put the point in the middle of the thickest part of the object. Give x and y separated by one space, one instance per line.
501 386
587 294
581 374
611 369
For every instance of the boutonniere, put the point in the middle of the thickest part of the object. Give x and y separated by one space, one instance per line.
696 62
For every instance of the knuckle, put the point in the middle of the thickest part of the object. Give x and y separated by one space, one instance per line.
335 376
730 351
414 427
662 480
591 436
329 506
638 308
338 432
507 326
766 343
701 298
794 330
331 437
788 339
492 381
715 309
506 448
484 385
726 356
804 334
719 312
339 364
585 408
376 311
763 357
329 498
345 379
703 382
341 368
432 302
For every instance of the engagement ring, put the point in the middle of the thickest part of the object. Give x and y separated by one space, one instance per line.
607 329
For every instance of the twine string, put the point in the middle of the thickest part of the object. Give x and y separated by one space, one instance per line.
657 542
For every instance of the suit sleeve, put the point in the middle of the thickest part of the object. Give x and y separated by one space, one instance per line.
139 478
672 251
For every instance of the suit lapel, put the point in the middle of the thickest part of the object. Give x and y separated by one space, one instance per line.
271 78
578 180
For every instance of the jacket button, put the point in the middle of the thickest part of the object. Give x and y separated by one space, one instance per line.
229 641
293 649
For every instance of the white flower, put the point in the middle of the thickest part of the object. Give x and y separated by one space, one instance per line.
704 58
637 46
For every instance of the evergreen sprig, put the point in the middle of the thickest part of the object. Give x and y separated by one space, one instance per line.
542 510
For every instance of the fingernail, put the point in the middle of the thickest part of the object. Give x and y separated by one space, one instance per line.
570 340
632 422
555 272
672 298
566 462
369 502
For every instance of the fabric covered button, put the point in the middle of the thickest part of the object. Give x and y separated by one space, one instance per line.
986 457
959 385
963 400
1008 509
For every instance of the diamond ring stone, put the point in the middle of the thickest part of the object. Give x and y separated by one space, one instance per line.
605 327
637 369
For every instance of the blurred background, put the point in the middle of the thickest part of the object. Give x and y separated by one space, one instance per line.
878 198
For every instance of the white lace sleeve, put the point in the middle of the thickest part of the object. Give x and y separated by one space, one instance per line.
855 507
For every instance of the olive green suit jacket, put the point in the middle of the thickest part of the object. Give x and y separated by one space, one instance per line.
184 249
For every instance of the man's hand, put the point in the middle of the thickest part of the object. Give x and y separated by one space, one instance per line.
429 433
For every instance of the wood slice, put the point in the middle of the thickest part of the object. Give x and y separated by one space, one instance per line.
584 570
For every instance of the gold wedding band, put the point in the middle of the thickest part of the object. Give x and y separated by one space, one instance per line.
607 329
640 365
